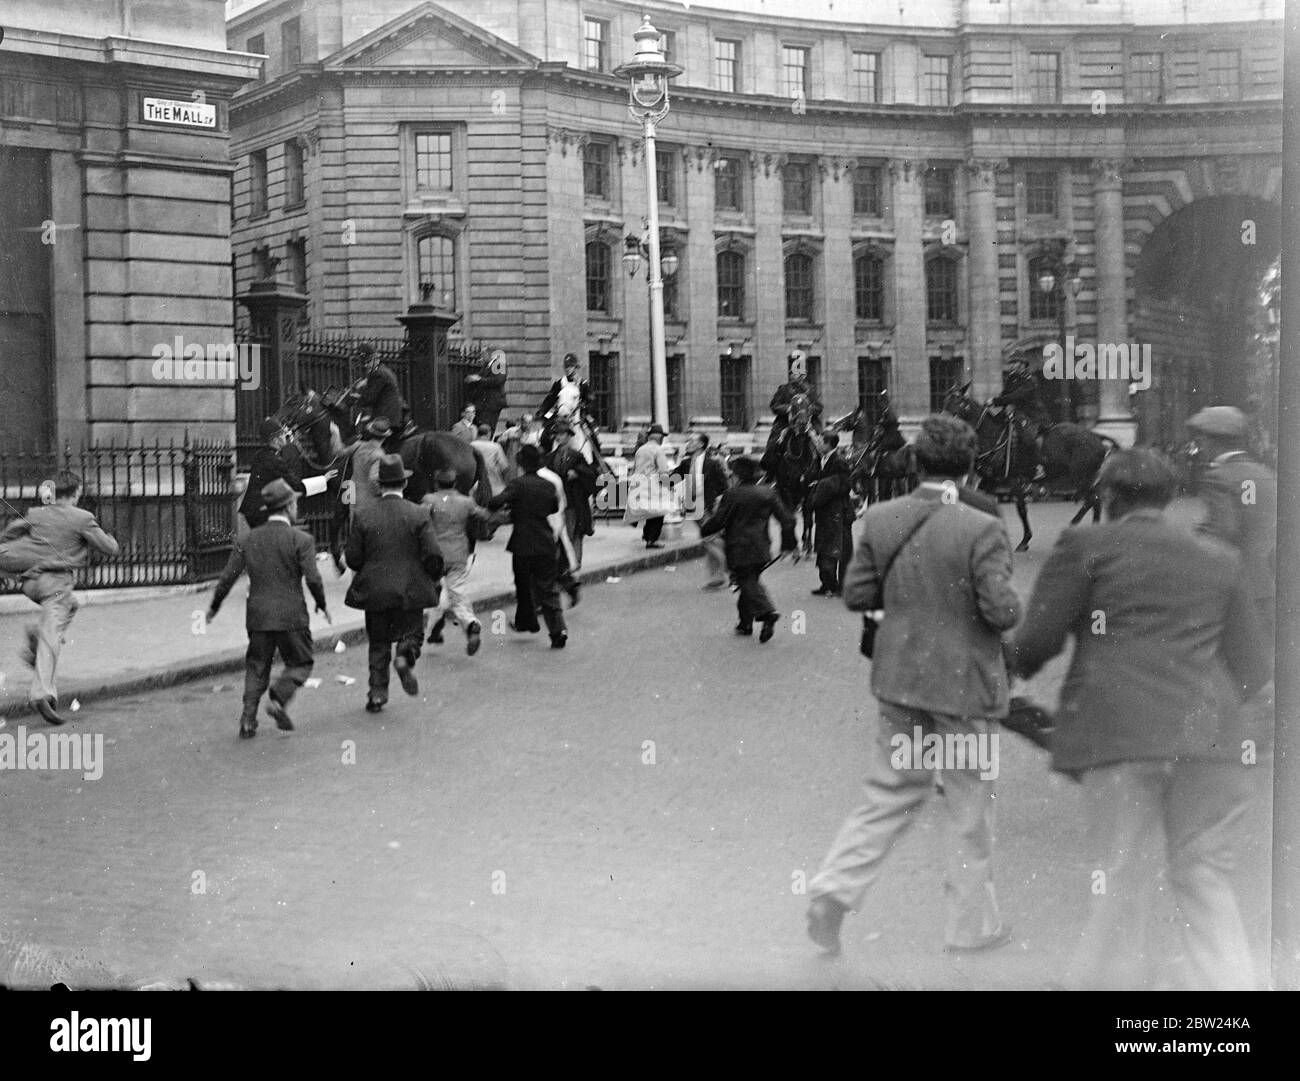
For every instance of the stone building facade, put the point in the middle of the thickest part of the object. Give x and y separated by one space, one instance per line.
883 195
115 218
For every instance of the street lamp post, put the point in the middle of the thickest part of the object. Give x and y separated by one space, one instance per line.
636 248
648 73
1055 280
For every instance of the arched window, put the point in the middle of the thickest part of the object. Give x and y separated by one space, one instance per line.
941 290
869 287
798 286
1041 305
436 260
731 285
598 277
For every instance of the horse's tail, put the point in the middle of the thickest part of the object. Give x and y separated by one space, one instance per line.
482 485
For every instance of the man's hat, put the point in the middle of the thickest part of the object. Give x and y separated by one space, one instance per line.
444 476
277 494
570 360
391 470
379 428
365 349
655 429
269 428
1225 421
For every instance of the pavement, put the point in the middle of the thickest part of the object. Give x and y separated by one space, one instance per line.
119 644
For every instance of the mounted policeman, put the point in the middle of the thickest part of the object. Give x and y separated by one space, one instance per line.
796 384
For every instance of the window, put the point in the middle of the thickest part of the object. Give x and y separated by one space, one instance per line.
670 288
734 383
815 375
595 170
433 161
941 290
796 187
598 277
1045 76
257 182
731 285
869 287
939 200
873 383
668 43
726 65
1223 72
296 254
676 369
866 77
798 286
1146 77
1040 193
262 267
290 44
436 259
728 186
295 188
867 184
666 177
257 44
600 378
945 373
595 35
1041 305
795 71
935 84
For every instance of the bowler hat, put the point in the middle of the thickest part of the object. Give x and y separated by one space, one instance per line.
391 470
379 428
1225 421
277 494
570 359
655 429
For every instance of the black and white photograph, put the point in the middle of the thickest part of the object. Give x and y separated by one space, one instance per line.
539 495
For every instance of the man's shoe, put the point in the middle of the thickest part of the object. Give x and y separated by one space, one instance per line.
279 715
653 544
247 731
744 629
410 684
711 586
1000 937
46 707
825 915
769 627
473 638
435 632
373 704
559 641
823 592
522 630
575 594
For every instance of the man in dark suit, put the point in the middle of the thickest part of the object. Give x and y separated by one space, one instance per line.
394 554
708 480
1166 645
831 501
569 395
579 477
270 463
278 558
379 395
742 516
941 571
532 547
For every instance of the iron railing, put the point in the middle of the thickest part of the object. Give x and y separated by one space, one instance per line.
169 506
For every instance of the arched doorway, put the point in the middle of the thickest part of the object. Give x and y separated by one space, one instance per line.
1197 302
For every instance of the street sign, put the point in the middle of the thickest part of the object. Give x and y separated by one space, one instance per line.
187 114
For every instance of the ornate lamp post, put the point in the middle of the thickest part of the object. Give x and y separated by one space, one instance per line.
648 73
636 248
1054 280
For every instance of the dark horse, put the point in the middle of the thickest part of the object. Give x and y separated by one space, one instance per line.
788 459
1010 458
323 429
882 465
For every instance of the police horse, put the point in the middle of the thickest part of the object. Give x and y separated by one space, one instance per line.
790 456
1008 455
881 463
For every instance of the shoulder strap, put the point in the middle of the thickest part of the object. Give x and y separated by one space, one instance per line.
911 533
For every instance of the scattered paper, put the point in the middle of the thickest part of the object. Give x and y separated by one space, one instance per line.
75 706
217 688
670 569
347 681
339 647
313 683
613 580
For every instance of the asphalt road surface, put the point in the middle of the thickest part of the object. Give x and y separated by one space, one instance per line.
636 811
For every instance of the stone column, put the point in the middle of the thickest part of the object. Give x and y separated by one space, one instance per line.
839 362
698 291
1116 418
769 287
431 398
912 378
985 311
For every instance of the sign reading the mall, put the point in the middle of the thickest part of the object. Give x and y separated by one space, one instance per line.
187 114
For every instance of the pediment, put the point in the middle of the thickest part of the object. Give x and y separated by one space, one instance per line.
430 36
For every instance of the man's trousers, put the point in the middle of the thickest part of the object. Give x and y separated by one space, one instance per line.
715 559
1183 817
52 590
295 651
894 796
754 601
386 628
536 587
454 603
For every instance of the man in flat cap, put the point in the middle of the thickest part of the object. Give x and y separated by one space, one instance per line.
278 558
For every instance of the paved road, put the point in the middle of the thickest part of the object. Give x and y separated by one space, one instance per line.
632 812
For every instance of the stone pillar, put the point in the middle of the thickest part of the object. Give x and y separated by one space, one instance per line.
1116 418
769 288
431 399
699 291
274 310
839 362
985 319
912 378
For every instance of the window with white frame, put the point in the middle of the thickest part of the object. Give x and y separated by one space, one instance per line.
436 268
796 71
726 65
595 44
866 76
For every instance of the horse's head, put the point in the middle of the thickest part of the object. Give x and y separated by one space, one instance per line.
959 403
800 411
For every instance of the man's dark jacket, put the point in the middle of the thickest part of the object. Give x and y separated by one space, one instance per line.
715 477
1166 643
486 393
832 506
742 515
530 499
267 465
395 557
784 395
553 396
381 396
278 558
579 488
